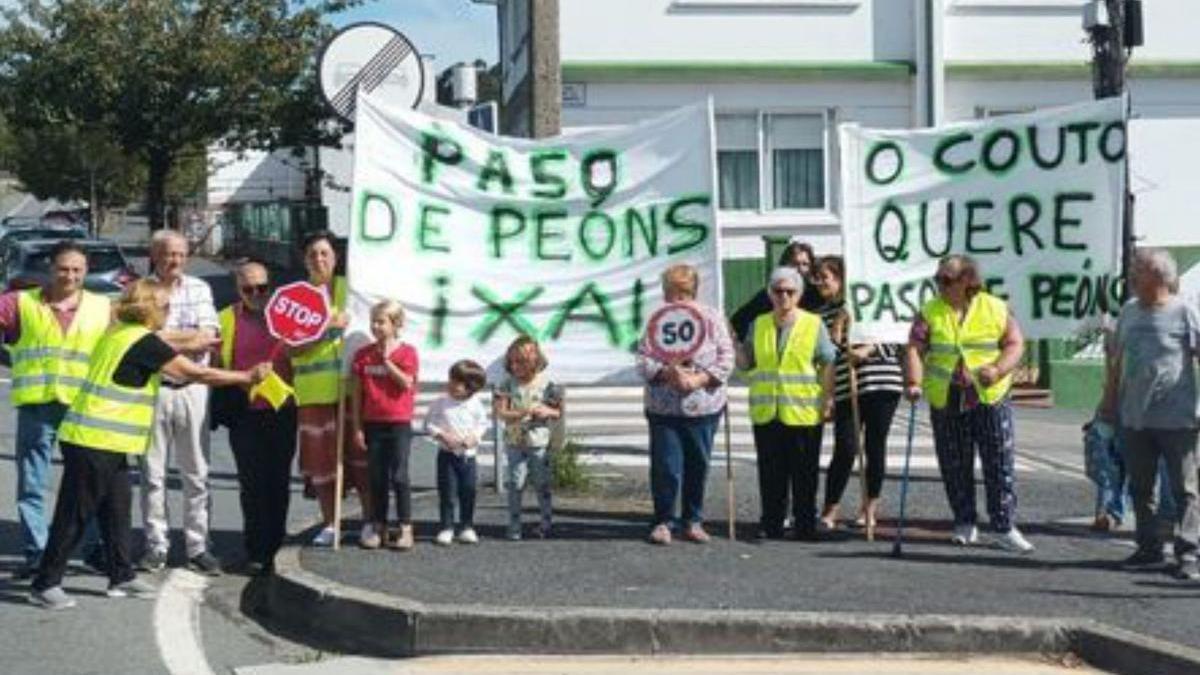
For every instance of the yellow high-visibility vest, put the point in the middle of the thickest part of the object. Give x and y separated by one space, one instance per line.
786 386
228 323
316 372
106 415
47 364
976 341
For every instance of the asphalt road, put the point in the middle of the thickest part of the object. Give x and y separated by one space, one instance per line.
599 558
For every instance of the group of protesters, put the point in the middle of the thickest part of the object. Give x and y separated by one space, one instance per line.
792 343
128 383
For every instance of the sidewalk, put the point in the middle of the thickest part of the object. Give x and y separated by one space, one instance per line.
599 564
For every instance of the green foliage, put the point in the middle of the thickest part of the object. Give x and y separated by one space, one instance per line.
568 473
67 162
158 79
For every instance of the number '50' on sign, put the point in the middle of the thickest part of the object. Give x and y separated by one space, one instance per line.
675 332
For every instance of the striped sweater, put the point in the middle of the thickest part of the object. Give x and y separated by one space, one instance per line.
880 372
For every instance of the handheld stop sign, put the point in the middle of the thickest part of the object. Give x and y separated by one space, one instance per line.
676 332
298 313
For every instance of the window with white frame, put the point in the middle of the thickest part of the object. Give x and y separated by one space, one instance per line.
737 162
772 161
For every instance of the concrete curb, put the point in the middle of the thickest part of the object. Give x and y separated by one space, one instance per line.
355 620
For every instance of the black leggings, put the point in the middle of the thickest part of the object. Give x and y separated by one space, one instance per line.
876 410
94 483
388 444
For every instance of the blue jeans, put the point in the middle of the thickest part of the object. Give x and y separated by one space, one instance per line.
455 483
1105 466
37 433
528 466
679 451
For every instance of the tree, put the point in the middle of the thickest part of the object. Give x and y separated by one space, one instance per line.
161 78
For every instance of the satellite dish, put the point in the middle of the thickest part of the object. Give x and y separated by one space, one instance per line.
374 58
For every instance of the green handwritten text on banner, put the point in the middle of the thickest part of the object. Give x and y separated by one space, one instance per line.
1036 199
483 238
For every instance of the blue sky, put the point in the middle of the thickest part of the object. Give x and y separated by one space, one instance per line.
451 30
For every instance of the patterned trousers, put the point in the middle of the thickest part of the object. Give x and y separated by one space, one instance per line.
955 437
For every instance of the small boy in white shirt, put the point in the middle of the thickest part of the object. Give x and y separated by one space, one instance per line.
457 421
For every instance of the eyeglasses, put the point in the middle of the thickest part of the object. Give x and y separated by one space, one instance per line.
784 291
945 279
256 289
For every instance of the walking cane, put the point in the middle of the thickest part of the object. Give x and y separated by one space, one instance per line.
859 452
729 477
338 474
897 548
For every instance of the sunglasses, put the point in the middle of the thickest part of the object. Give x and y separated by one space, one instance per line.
784 291
256 289
945 279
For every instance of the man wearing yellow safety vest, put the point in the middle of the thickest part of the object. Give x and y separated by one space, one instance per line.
961 353
50 332
317 375
109 421
789 355
262 437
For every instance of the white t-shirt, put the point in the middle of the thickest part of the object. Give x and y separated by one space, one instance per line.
464 418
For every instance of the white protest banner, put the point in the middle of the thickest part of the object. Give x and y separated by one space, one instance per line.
1035 198
482 238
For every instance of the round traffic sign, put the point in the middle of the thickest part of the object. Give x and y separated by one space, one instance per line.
373 58
298 313
676 332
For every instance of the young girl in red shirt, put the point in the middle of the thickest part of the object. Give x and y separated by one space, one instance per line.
385 383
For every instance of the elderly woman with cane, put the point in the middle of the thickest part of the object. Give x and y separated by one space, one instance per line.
683 402
790 357
961 352
1151 390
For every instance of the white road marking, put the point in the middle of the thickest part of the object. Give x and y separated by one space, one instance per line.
177 623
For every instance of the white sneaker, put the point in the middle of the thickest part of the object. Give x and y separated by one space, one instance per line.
468 536
1013 541
368 537
324 538
965 535
444 538
52 598
134 588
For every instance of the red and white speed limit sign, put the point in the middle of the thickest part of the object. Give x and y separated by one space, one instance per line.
675 332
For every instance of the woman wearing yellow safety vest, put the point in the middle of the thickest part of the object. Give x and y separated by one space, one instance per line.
790 357
108 421
317 379
961 353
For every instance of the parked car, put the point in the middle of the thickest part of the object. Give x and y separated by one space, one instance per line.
27 264
16 234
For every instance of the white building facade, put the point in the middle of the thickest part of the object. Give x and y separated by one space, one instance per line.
784 73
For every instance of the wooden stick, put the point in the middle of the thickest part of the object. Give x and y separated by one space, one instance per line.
731 505
856 419
339 476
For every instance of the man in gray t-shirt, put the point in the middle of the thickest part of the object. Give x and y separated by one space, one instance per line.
1158 347
1152 383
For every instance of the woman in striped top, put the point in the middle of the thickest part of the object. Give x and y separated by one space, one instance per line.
879 383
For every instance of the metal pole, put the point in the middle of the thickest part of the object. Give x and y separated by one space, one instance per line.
497 439
1109 60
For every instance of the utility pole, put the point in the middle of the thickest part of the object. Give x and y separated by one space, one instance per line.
1114 28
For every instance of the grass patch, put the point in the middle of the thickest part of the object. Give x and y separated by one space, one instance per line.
568 473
